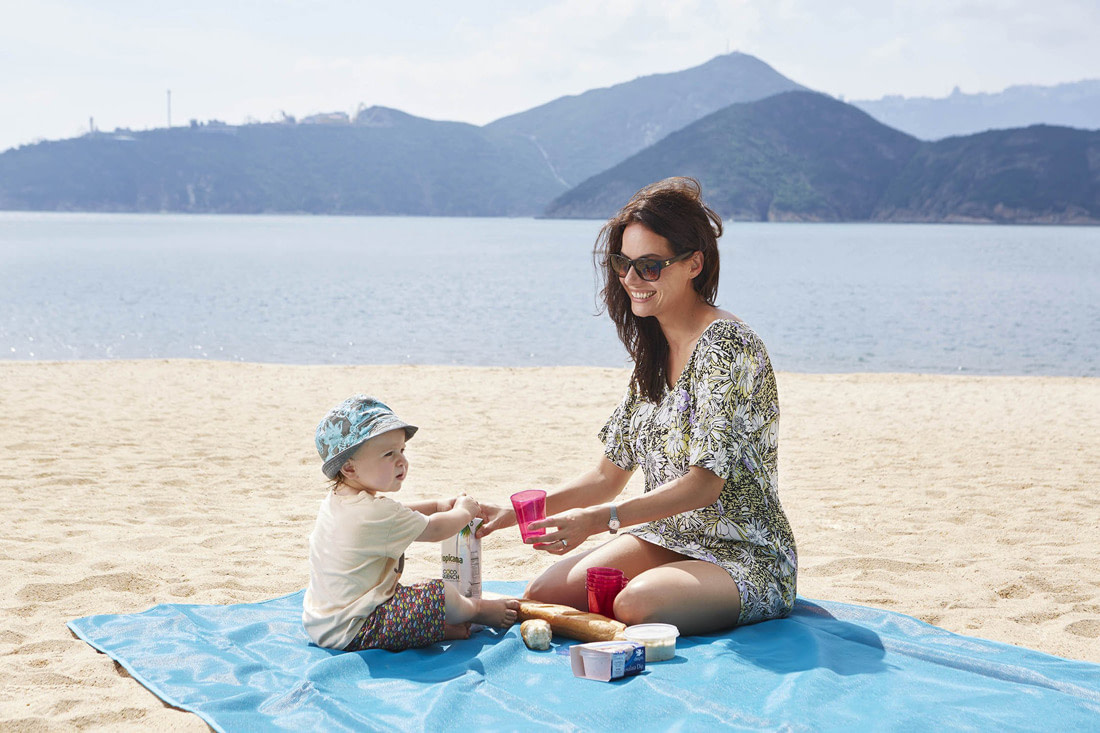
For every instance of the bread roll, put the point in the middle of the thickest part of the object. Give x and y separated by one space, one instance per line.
536 634
571 623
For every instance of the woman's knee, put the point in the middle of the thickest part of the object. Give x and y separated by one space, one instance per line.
538 588
664 595
551 587
639 603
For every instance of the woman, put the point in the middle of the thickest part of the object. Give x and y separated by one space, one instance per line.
708 545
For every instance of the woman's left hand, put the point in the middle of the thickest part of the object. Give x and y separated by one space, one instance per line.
570 529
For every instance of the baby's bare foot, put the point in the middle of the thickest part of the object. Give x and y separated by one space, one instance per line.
456 631
497 612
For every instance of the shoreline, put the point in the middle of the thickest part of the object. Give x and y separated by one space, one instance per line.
959 373
1045 220
966 501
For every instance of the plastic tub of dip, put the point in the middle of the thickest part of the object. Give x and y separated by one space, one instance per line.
659 640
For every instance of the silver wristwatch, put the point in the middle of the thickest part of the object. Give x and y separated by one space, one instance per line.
613 524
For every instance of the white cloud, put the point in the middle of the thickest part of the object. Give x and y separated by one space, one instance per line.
61 62
865 49
526 60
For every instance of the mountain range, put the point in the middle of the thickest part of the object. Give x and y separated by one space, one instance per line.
803 156
928 118
763 146
793 156
585 134
387 162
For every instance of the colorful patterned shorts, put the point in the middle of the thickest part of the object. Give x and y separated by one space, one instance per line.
413 618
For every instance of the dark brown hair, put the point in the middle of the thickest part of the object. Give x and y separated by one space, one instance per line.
674 209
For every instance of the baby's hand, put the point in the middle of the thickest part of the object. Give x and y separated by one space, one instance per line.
468 504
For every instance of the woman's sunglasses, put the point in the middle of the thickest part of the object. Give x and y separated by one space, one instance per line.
646 268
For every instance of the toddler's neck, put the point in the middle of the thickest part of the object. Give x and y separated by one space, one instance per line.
345 490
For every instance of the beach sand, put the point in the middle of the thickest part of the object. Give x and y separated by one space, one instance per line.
968 502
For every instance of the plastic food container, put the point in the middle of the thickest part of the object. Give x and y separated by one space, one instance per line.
659 640
607 660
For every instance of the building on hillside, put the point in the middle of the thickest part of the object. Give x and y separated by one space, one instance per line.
327 118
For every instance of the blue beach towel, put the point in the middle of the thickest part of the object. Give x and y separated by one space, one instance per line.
828 667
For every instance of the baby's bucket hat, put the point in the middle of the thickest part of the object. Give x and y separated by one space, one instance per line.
350 424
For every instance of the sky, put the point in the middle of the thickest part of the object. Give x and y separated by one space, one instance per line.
66 65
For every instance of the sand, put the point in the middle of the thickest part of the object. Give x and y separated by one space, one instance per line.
968 502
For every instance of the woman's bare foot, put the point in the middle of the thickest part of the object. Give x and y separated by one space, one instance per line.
456 631
496 612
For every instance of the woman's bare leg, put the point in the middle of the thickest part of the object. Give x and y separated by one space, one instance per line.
696 596
665 586
564 581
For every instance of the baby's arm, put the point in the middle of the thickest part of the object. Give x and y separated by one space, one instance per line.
444 524
431 506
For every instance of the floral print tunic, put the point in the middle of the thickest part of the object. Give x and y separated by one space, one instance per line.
722 415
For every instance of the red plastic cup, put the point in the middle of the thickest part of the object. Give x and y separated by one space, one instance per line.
601 600
603 585
599 573
529 505
606 582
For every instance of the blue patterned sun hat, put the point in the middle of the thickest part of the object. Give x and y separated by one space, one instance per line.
350 424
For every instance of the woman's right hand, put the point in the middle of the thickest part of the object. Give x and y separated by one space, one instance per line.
495 517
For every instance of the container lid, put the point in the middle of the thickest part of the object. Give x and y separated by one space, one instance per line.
599 648
651 632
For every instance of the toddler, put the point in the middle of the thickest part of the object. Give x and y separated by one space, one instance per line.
356 552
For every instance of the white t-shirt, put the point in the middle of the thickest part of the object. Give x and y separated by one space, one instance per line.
355 560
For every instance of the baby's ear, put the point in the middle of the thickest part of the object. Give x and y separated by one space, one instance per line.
347 470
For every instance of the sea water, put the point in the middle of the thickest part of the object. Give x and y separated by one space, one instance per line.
522 292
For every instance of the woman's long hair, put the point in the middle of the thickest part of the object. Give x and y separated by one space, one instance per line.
674 209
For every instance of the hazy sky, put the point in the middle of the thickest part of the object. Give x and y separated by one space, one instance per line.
62 62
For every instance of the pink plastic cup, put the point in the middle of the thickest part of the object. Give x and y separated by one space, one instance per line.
529 505
601 600
599 573
612 581
603 585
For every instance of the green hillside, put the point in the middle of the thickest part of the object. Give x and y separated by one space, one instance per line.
802 156
386 163
798 156
584 134
1038 174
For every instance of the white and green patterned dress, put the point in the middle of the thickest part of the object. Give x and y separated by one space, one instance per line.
722 415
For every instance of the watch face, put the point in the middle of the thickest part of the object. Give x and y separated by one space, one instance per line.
614 524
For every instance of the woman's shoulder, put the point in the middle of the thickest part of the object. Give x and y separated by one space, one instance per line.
728 345
728 334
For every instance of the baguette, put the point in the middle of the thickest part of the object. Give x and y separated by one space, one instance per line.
536 634
569 622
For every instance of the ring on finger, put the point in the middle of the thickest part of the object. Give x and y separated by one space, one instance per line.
564 542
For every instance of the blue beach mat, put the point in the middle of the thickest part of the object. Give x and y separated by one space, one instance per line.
828 667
